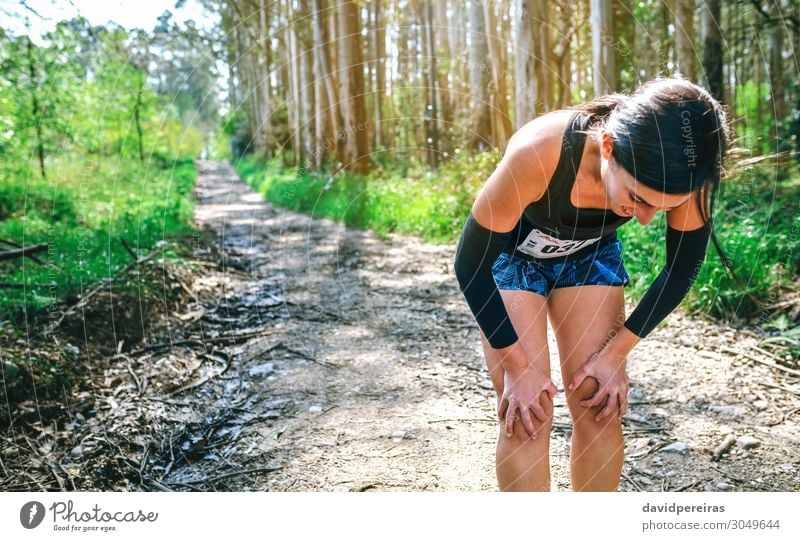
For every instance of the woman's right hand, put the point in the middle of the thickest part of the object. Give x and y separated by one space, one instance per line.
522 391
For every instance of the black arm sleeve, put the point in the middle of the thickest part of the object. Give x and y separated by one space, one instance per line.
686 251
476 252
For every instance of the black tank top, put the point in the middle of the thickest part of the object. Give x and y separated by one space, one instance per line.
551 228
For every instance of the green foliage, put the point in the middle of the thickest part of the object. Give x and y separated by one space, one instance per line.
758 230
755 222
432 207
756 125
81 214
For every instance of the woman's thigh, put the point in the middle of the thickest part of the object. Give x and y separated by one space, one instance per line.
528 313
583 319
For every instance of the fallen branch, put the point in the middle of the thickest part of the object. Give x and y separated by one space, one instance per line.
229 475
191 342
103 283
30 256
723 447
128 249
781 387
686 486
633 483
26 250
774 365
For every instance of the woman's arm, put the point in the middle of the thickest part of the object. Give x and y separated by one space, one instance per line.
520 178
686 249
686 239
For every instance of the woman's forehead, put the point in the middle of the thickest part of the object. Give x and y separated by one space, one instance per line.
647 194
656 198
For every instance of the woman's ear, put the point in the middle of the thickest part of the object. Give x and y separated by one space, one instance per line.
606 145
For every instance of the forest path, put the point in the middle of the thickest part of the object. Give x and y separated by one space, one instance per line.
369 373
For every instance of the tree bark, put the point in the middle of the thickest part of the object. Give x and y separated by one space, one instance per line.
479 78
351 91
684 35
712 47
430 114
265 83
603 73
501 122
35 107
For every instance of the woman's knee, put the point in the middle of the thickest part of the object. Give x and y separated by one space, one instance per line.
521 438
542 428
584 418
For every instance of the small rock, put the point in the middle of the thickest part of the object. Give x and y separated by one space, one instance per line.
725 410
723 486
315 409
677 447
77 451
262 369
636 417
399 434
72 350
660 412
748 442
788 468
761 405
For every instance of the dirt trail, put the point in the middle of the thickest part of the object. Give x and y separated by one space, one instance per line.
378 382
293 354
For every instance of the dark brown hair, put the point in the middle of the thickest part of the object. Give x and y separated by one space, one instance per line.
672 136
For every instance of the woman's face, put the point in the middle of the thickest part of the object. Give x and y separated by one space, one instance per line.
627 196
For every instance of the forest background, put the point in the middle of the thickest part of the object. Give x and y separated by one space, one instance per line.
382 114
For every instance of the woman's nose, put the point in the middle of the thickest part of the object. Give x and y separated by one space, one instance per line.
645 215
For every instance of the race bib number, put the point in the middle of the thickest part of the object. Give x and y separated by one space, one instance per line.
543 246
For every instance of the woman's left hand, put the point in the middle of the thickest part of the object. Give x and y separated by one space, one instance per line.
612 379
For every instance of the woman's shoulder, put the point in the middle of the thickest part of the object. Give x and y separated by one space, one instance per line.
542 135
537 143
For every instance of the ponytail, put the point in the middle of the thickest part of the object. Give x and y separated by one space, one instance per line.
601 107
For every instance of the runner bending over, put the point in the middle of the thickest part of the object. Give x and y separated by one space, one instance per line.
541 241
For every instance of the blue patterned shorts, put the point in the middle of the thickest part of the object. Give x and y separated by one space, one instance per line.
602 267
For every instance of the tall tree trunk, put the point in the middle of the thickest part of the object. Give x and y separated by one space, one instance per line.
604 73
293 101
442 50
524 64
322 12
757 70
380 70
352 88
533 57
304 62
35 107
776 74
265 83
624 29
137 116
564 58
430 114
230 57
479 77
684 36
501 122
712 47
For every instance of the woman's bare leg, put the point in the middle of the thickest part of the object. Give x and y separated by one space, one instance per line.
523 464
583 318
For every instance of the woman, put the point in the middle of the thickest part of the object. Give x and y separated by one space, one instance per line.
541 241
